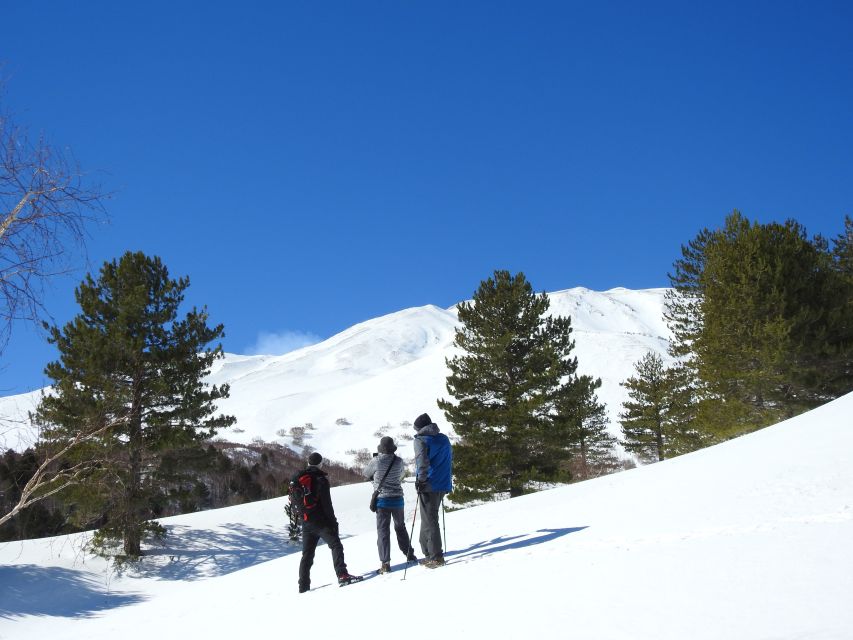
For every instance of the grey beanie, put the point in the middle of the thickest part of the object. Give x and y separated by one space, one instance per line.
315 459
386 445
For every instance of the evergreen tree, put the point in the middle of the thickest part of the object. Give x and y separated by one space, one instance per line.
583 420
757 313
294 523
515 362
655 421
841 357
128 362
843 250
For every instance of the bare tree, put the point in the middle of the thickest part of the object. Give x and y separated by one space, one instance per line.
53 475
45 203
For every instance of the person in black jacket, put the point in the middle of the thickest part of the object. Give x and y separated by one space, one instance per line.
319 523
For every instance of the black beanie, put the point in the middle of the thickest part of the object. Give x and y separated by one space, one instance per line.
422 421
315 459
386 445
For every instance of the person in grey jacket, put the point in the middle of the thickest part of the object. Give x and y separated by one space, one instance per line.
433 480
386 471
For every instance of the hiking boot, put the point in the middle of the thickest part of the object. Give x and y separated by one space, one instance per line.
385 567
434 563
411 557
345 579
303 589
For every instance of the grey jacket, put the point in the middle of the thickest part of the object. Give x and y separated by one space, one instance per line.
392 487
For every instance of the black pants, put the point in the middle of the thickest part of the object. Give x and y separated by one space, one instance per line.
430 537
311 534
383 534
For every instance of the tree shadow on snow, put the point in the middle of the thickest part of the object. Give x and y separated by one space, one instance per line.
505 543
32 590
192 554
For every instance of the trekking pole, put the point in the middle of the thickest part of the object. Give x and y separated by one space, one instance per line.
411 536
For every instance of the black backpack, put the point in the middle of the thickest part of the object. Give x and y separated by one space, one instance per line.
304 495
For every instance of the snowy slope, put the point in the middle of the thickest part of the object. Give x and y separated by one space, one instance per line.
386 371
751 539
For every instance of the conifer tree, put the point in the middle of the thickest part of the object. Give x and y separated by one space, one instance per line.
128 362
514 362
757 314
838 356
584 422
655 421
294 524
843 249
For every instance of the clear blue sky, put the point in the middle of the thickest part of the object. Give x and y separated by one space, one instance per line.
310 165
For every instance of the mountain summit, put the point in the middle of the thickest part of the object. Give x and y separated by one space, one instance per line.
379 374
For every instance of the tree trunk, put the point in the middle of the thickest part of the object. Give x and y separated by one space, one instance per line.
659 441
132 533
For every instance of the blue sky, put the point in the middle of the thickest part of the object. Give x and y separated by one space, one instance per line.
313 165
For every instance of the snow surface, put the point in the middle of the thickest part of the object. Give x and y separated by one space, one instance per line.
382 373
750 539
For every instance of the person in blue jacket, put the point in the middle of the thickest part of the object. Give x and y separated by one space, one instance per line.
433 472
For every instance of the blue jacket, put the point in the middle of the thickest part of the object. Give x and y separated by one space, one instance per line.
433 459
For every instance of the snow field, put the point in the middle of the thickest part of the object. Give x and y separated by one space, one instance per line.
749 539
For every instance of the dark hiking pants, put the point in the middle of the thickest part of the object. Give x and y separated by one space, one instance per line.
311 534
430 537
383 533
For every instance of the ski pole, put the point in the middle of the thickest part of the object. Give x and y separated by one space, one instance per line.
411 536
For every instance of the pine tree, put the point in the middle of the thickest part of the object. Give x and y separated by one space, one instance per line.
655 421
839 352
294 525
128 362
843 249
505 384
757 314
584 422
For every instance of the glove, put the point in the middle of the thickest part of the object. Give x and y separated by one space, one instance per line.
420 486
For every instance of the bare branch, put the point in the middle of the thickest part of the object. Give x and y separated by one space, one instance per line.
49 480
45 204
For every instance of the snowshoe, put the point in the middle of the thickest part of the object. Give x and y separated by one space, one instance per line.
346 579
434 563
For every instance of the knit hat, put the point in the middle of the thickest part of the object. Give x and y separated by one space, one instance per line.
315 459
386 445
422 421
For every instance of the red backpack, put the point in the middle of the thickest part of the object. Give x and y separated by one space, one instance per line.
304 495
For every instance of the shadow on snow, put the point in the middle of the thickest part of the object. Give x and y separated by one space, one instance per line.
496 545
192 554
31 590
505 543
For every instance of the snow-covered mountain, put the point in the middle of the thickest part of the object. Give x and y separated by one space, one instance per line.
382 373
751 539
